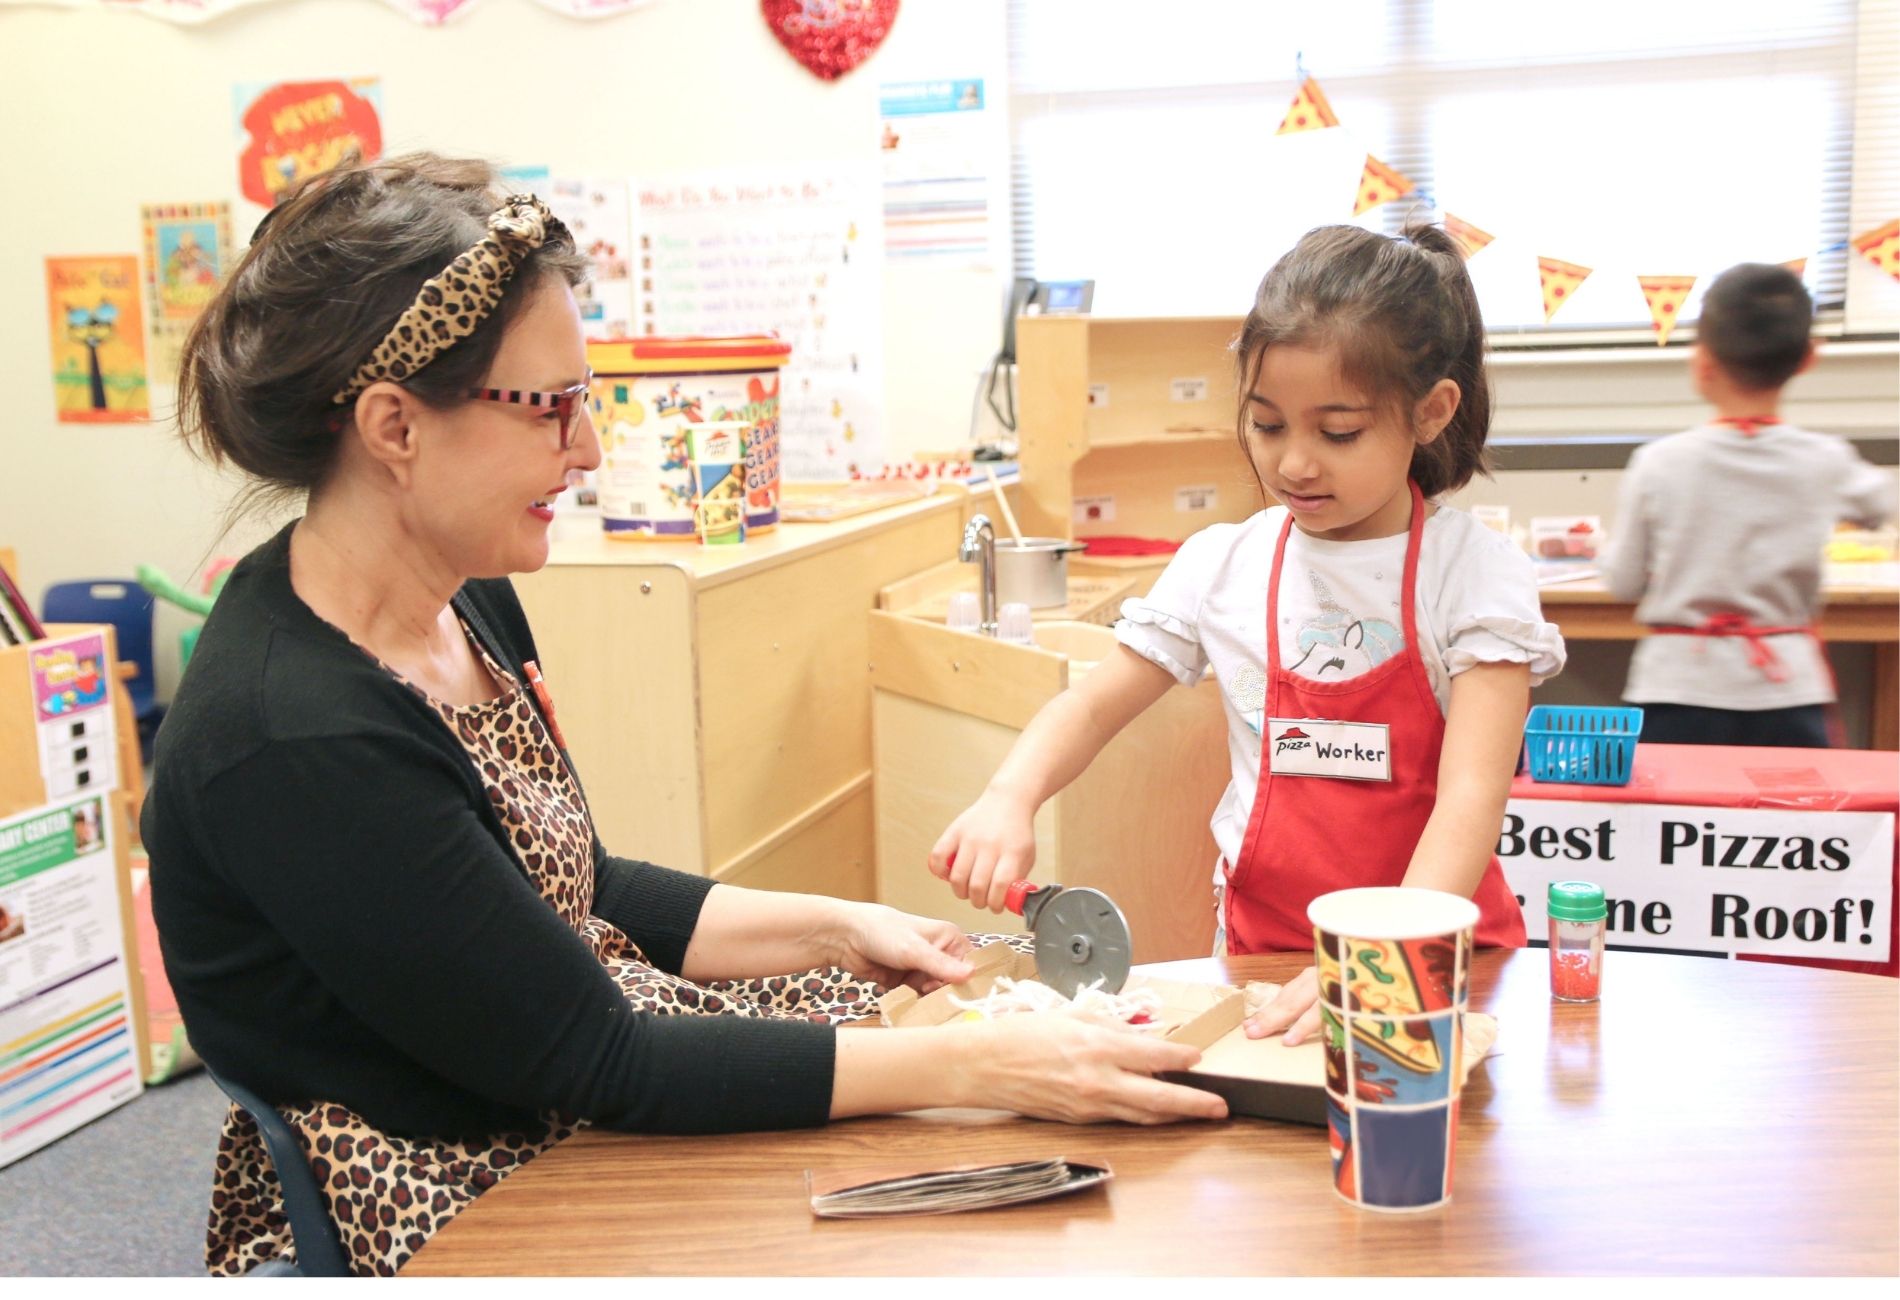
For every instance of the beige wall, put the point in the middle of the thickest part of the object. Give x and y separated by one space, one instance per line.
516 82
108 111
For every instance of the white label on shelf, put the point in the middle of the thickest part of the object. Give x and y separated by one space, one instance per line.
1188 390
1094 510
1188 500
1098 394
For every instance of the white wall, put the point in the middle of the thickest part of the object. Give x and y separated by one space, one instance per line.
111 110
624 96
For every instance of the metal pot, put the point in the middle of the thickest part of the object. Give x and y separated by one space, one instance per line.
1034 571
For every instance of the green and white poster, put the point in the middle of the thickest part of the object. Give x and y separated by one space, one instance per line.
68 1052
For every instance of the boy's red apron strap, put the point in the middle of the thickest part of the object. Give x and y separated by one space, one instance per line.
1763 656
1760 653
1750 425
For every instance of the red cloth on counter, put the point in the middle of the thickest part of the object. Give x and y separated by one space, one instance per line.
1725 776
1112 547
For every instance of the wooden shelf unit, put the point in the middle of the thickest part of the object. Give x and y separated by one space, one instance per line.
1142 446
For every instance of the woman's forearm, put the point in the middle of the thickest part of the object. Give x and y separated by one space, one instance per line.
747 933
887 1071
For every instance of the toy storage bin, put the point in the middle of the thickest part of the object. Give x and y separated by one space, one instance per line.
1582 746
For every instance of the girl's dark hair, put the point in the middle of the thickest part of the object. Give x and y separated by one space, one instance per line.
327 274
1400 314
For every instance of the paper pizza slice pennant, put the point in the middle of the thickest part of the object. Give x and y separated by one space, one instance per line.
1881 246
1560 281
1309 111
1665 294
1799 266
1469 237
1378 184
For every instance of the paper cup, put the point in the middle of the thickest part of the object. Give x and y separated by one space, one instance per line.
1393 971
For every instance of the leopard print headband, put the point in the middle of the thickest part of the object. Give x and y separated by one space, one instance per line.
451 305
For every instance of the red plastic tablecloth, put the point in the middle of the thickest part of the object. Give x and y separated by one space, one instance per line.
1821 780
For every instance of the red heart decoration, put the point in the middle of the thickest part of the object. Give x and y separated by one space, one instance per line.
830 37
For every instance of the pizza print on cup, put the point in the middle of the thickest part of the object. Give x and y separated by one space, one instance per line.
388 1193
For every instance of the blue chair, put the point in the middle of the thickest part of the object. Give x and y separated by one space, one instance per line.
319 1249
129 608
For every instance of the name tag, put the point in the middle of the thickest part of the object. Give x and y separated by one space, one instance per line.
1356 751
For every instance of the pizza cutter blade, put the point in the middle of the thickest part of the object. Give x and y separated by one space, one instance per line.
1081 936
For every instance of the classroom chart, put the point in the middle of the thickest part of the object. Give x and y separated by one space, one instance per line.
67 1046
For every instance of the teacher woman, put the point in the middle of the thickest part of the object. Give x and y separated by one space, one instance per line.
378 891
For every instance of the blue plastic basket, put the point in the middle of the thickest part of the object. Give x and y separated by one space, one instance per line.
1582 746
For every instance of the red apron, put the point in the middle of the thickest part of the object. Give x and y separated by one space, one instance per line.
1763 658
1310 835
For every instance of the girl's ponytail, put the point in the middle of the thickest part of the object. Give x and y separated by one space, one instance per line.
1450 460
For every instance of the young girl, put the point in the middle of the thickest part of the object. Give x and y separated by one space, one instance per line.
1384 646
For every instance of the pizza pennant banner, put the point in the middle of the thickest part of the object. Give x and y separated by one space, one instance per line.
1881 246
430 13
1378 184
1560 281
1665 295
1469 237
1309 111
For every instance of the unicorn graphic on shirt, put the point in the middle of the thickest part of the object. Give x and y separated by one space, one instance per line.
1337 644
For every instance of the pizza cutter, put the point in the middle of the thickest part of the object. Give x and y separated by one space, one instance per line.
1081 936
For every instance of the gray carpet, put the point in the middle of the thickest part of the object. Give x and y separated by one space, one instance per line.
125 1196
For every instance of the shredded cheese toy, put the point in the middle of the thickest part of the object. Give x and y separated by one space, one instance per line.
1137 1010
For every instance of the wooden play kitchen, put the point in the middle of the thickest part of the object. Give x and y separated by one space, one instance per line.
945 708
1128 429
716 699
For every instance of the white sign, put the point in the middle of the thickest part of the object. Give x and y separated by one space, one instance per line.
1188 390
1357 751
1094 510
793 251
1722 880
936 142
1192 500
1098 394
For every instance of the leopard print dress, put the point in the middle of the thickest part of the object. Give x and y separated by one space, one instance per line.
387 1193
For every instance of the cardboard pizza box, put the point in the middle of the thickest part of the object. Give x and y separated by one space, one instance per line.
1261 1077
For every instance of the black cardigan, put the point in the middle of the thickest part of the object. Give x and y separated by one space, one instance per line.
341 919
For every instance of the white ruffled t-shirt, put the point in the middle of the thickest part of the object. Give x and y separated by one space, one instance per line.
1339 617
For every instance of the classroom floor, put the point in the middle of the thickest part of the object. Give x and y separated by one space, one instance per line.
125 1196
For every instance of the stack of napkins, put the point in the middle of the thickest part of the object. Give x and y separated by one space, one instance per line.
868 1193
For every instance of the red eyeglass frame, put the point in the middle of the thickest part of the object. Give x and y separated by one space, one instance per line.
571 402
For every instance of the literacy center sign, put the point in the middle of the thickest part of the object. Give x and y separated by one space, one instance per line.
1785 883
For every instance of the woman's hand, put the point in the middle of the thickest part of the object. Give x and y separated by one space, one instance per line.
989 847
1055 1067
1297 1005
891 948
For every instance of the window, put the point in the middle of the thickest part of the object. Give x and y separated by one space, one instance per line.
1632 137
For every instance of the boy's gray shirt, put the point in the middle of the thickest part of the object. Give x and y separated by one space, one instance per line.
1715 521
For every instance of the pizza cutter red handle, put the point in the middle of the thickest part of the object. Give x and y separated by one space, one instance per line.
1019 892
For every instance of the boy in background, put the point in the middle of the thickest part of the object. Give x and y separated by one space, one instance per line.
1720 531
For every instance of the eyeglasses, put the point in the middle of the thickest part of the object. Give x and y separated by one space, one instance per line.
570 403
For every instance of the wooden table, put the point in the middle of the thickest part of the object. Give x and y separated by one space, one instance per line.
1708 1117
1586 611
